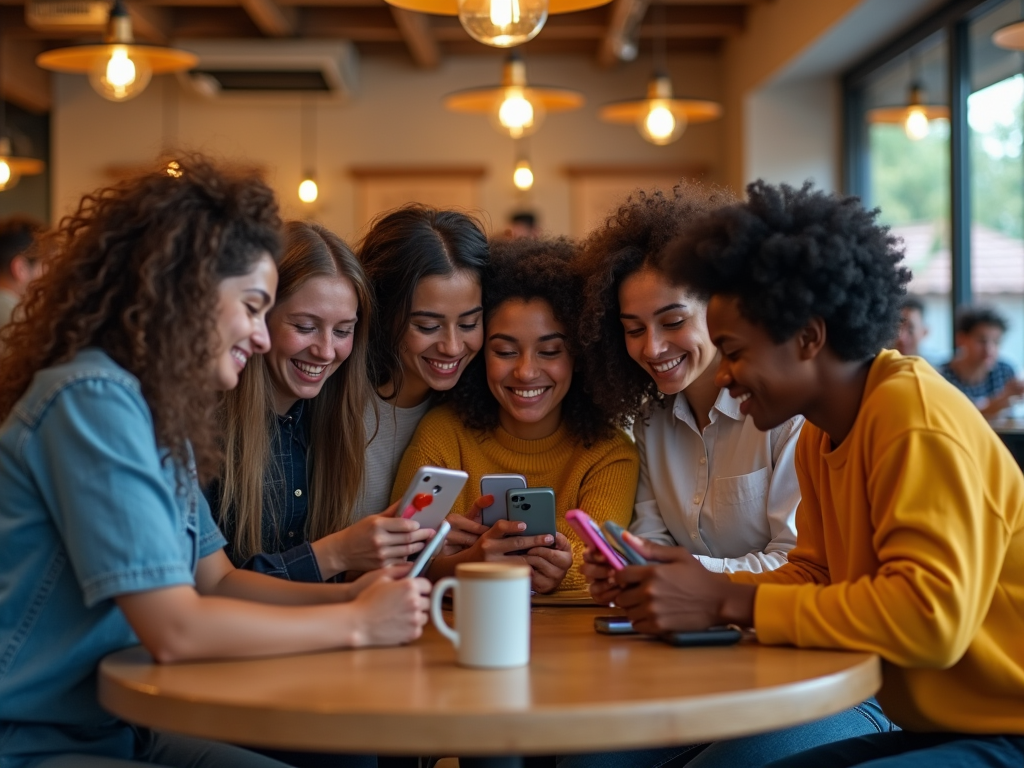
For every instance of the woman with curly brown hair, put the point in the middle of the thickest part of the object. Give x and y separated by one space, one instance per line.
524 408
294 428
108 386
710 481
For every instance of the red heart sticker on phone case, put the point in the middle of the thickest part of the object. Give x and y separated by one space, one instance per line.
422 500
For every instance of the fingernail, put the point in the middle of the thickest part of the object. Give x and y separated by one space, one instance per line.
548 539
520 526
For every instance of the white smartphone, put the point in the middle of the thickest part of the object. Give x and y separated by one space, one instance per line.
497 485
419 565
431 494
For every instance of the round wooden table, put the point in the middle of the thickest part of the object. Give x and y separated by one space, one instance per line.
581 692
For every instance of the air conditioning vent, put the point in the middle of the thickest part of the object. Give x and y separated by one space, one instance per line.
67 15
236 68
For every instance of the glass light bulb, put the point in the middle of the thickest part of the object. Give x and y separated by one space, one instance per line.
503 23
659 124
121 77
916 125
8 176
308 191
516 112
522 176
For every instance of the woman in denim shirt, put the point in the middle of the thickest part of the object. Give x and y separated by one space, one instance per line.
294 428
108 385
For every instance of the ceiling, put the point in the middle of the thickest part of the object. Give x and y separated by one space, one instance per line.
380 29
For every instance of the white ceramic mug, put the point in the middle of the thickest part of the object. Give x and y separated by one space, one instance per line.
492 614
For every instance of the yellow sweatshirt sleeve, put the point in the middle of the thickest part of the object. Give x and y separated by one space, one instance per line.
939 555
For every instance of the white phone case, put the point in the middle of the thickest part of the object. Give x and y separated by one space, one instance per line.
444 485
497 485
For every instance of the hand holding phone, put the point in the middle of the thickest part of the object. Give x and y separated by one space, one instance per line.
427 554
617 540
430 495
535 507
498 487
591 535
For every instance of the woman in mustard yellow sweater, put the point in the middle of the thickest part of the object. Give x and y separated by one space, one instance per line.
522 407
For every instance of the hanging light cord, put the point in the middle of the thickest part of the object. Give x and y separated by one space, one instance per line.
308 138
660 55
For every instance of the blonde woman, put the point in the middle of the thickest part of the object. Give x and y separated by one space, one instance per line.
295 436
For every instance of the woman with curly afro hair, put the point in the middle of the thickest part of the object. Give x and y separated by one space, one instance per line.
524 408
153 305
710 480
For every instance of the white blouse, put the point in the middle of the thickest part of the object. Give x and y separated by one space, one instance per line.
728 495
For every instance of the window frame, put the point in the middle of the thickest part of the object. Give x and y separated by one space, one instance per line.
954 19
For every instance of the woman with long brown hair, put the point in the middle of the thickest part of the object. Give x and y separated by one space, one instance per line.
294 427
154 303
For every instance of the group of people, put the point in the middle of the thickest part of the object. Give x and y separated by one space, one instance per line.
209 415
976 369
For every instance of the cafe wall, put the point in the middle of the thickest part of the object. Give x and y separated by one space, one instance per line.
396 120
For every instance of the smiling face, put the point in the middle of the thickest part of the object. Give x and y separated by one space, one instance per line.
772 381
241 321
444 333
979 348
529 369
311 335
665 329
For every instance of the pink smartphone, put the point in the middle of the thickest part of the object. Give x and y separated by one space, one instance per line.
587 530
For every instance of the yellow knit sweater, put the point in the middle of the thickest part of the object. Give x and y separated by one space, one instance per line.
601 480
910 544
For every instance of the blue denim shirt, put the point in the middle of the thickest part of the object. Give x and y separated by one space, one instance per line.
90 510
286 553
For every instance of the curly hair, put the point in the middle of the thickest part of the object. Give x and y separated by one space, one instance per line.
136 273
401 248
533 269
971 316
630 241
792 254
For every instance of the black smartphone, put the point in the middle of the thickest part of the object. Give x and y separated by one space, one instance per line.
614 531
613 625
711 636
535 507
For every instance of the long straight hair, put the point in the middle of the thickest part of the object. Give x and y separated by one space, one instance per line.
402 247
337 436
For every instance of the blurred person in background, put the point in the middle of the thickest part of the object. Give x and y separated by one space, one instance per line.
912 328
19 265
523 224
976 369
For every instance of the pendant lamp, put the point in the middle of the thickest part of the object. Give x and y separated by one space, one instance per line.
119 69
12 167
660 118
516 108
501 23
916 115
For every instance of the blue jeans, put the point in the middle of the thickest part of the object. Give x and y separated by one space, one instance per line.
904 749
749 751
156 748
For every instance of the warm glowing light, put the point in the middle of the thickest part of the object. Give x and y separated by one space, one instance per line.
516 112
308 191
120 77
503 23
660 123
5 174
522 177
916 125
120 69
504 12
174 169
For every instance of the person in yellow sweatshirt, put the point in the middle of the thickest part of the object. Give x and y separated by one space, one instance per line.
522 407
910 534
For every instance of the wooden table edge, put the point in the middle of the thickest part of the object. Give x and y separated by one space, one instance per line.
562 730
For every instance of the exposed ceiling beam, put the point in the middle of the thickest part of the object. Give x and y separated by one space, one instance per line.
419 37
272 19
23 82
619 41
151 23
